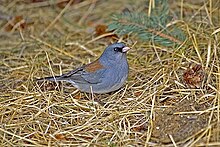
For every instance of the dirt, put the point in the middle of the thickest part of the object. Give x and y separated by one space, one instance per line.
180 126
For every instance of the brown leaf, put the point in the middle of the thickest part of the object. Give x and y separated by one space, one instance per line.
137 93
102 29
64 3
60 137
17 22
140 128
37 1
78 96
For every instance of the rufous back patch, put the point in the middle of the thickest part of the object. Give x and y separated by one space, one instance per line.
94 66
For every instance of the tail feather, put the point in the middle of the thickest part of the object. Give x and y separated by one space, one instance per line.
55 78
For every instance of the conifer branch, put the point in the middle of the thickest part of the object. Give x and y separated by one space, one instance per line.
149 28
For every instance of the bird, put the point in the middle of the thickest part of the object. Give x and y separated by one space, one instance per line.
106 74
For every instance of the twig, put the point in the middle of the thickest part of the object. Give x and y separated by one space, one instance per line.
99 37
82 47
56 48
92 6
58 17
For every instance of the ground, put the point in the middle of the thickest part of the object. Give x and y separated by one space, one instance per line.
171 97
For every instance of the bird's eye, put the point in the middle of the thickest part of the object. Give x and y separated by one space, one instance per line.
116 49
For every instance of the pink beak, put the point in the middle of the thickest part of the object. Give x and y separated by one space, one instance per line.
125 49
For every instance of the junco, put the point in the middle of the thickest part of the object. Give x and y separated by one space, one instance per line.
106 74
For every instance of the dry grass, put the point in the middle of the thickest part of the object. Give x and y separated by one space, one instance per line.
154 108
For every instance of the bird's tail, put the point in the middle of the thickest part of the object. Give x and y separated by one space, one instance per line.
55 78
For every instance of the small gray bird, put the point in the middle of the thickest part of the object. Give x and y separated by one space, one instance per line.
106 74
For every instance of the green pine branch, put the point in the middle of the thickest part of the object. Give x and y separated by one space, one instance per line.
149 28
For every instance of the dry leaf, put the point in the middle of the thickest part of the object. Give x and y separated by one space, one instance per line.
60 137
17 22
102 29
64 3
138 93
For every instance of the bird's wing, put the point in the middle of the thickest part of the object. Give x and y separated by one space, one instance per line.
91 73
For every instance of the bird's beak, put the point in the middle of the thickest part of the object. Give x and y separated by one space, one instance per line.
125 49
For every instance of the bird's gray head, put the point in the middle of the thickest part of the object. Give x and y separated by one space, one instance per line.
115 52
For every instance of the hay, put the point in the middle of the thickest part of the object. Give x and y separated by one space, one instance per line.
156 106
